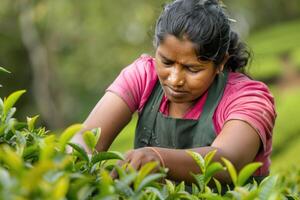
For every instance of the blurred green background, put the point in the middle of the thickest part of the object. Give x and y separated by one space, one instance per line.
66 53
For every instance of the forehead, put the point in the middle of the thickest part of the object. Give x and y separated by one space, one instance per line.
173 47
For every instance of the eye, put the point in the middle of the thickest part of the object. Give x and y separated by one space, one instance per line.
193 70
168 63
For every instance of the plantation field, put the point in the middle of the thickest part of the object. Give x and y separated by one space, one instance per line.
271 48
287 159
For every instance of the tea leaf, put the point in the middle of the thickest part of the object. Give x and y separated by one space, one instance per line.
31 151
82 153
31 122
11 100
148 180
35 174
48 147
218 185
68 134
143 172
209 156
267 186
106 156
181 195
5 179
198 158
1 105
120 171
97 132
156 192
246 172
211 170
89 139
180 187
231 170
106 184
4 70
199 180
85 192
123 185
11 159
61 188
195 189
170 186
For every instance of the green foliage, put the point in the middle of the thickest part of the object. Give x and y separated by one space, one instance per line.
4 70
295 57
91 138
286 137
68 134
29 152
265 68
267 62
9 102
285 36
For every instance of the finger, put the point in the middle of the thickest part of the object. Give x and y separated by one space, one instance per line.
135 163
128 154
125 164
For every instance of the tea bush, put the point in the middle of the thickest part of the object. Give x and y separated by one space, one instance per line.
34 164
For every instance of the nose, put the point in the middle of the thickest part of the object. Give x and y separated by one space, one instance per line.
176 77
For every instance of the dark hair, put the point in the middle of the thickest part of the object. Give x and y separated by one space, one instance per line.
205 24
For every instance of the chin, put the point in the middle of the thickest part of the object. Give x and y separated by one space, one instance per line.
176 100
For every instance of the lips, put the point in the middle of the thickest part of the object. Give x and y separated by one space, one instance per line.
175 93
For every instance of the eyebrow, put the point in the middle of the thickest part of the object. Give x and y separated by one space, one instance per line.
190 65
164 57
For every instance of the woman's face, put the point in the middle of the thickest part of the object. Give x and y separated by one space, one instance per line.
183 77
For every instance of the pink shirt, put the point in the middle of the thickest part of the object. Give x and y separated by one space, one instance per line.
243 99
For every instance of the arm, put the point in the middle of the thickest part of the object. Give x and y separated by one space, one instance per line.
111 114
238 142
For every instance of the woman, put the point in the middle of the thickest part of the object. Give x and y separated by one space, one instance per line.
190 96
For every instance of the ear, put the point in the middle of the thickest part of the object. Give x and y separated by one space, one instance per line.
221 66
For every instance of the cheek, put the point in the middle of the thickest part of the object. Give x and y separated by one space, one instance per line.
200 83
162 72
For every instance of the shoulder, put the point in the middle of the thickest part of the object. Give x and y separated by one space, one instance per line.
248 100
141 70
239 84
243 92
136 81
144 63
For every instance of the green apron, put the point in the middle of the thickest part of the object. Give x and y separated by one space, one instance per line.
155 129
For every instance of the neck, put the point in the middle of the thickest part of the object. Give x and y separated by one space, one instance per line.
178 110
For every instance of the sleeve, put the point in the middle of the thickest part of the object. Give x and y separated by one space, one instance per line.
135 82
254 104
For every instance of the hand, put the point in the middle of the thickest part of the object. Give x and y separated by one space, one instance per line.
137 158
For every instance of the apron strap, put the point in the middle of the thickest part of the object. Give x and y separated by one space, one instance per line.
144 129
205 127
